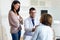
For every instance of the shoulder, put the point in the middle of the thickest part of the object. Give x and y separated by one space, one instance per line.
50 29
11 13
44 28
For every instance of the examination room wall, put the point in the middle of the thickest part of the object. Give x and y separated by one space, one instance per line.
53 7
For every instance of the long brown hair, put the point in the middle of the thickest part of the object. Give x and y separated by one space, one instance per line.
46 19
12 6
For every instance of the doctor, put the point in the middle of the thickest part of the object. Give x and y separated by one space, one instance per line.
30 24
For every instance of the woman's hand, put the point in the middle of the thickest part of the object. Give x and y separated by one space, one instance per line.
21 20
20 28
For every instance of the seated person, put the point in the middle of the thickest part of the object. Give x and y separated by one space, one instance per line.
44 31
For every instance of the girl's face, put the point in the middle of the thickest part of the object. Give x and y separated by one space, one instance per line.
16 6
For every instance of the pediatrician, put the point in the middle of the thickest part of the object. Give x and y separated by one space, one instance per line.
30 24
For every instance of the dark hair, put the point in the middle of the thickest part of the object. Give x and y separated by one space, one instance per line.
12 6
32 8
45 18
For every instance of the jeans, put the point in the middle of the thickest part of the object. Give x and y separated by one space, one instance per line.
16 36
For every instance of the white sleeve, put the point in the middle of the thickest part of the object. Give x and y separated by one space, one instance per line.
27 25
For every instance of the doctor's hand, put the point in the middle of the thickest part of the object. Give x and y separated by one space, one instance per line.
33 29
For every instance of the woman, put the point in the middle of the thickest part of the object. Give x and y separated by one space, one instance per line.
15 20
44 31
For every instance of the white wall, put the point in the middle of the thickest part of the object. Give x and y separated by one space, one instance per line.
5 7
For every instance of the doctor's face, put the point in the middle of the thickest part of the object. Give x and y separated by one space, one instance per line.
32 13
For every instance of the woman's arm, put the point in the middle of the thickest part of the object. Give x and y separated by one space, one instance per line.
21 19
13 19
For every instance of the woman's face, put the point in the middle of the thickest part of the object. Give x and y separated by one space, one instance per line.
50 20
16 6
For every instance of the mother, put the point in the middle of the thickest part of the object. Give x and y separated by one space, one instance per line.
15 20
